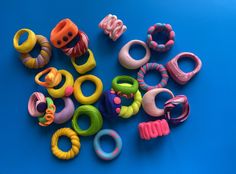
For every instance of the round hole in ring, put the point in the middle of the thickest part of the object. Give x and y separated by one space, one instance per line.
84 122
64 143
61 26
152 77
137 51
186 64
88 88
161 98
107 143
23 37
160 37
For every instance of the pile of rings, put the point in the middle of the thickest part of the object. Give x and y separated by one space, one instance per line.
74 43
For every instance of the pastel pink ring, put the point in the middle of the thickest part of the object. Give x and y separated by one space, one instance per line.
127 61
37 104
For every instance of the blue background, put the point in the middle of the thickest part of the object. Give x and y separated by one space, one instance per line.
205 143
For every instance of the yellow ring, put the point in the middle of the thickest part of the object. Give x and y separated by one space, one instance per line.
74 141
28 44
78 92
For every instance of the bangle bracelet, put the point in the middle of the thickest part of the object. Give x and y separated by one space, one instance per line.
79 96
74 141
127 61
177 74
28 44
171 104
88 66
152 66
37 104
66 90
158 27
149 104
153 129
66 113
96 120
97 146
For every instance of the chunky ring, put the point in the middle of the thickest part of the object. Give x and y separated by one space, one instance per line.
28 44
177 74
66 113
153 129
104 155
172 103
66 90
158 27
88 66
79 96
53 77
149 104
127 61
37 104
152 66
74 141
95 119
42 59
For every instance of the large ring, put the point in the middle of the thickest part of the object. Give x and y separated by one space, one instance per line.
67 88
177 74
171 104
104 155
88 66
37 104
158 27
127 61
149 104
152 66
74 141
28 44
78 91
95 120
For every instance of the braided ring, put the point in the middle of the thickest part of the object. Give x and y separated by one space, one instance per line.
74 141
37 104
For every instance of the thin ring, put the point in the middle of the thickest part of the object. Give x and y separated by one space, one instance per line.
104 155
37 104
75 141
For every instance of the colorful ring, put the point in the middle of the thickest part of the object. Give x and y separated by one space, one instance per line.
177 74
127 61
74 141
88 66
171 104
104 155
152 66
28 44
37 104
96 120
158 27
149 104
66 90
79 96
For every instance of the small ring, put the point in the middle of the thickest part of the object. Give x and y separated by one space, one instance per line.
104 155
74 141
96 120
152 66
127 61
149 104
37 104
78 91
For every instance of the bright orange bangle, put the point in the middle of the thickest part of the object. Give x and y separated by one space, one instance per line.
63 33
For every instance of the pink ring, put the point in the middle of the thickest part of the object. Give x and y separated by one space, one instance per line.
35 99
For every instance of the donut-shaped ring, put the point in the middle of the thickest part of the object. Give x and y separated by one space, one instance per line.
74 141
127 61
104 155
152 66
37 104
158 27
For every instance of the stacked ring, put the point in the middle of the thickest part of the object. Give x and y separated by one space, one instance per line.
95 120
152 66
104 155
37 104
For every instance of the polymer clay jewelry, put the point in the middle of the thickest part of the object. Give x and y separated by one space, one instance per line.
152 66
171 104
153 129
166 29
97 146
127 61
79 96
177 74
74 141
96 120
149 104
112 26
88 66
37 104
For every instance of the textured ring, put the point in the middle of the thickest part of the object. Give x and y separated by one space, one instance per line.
37 104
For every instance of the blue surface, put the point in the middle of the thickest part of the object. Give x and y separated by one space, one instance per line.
206 143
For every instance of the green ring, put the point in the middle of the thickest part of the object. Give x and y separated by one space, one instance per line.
49 102
125 89
95 117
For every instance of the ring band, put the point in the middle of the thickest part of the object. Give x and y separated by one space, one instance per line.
37 104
